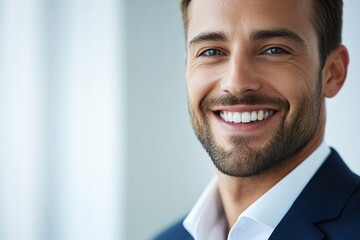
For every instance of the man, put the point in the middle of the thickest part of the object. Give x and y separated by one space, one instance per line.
257 75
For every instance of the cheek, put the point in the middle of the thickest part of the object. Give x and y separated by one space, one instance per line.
201 83
295 85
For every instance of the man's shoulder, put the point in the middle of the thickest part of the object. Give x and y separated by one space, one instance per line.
175 231
346 225
334 192
328 207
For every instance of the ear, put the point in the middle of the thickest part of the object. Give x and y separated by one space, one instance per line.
335 71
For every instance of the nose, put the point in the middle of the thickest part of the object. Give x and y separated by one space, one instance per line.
241 76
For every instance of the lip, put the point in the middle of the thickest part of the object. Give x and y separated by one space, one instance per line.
244 108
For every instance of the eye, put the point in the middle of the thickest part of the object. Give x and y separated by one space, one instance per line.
212 52
275 51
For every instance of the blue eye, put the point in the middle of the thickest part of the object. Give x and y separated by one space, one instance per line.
211 53
275 51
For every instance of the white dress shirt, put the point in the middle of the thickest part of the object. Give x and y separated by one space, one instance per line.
206 221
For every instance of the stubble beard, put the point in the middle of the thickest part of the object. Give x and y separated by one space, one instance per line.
243 160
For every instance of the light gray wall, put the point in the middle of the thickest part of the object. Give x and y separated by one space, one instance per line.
167 168
343 111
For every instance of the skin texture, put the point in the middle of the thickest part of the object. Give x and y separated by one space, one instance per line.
245 55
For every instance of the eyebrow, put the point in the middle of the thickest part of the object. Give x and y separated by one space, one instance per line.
208 37
254 36
277 33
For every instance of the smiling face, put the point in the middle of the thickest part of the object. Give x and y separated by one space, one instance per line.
254 81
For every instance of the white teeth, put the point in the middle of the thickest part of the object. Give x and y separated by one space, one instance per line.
260 116
223 116
226 117
237 117
266 115
230 116
253 116
246 117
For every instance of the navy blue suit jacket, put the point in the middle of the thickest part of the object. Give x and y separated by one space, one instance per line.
327 208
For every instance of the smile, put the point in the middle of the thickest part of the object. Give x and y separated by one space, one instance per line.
245 117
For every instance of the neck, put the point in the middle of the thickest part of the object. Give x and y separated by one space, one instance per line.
238 193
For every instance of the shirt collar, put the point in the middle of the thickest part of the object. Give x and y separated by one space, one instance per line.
290 186
207 215
207 221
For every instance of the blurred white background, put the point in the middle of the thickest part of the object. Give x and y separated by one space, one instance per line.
95 138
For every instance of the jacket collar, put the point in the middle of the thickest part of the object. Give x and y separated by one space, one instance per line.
323 199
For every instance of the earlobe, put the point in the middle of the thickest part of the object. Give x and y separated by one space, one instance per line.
335 71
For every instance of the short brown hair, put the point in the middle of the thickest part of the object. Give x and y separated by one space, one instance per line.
326 19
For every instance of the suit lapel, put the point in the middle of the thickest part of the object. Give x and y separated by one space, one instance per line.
296 226
323 199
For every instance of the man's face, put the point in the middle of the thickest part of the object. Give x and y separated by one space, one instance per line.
253 81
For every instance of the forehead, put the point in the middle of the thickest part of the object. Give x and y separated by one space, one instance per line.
234 17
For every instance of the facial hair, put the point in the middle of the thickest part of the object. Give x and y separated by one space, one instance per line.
242 160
